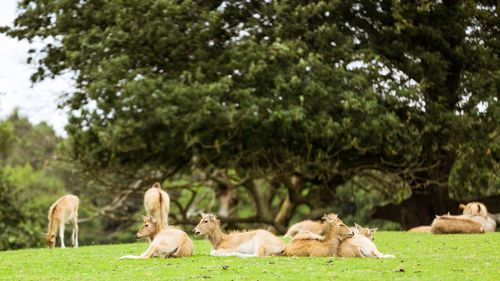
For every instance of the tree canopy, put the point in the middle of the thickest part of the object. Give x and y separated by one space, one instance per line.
305 96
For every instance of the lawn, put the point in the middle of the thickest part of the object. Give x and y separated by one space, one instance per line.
418 257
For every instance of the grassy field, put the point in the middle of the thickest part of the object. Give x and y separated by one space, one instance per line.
418 257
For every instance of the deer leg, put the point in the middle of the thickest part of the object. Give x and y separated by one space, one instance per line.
61 234
74 235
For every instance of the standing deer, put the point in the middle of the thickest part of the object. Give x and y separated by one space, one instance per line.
157 204
64 210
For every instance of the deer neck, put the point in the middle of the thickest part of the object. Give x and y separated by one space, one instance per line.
216 237
53 225
158 229
332 239
330 232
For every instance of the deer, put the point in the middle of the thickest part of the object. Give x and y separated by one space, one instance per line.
448 224
157 204
239 244
420 229
360 246
308 234
474 209
365 231
479 213
63 211
314 227
305 246
165 242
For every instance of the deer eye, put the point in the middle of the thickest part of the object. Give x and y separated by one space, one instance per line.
146 225
205 221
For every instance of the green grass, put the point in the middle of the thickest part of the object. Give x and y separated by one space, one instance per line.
418 257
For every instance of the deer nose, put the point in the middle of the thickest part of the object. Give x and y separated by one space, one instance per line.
137 236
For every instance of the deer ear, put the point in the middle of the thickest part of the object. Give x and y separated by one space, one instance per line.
153 220
144 218
212 217
357 226
157 185
202 214
461 206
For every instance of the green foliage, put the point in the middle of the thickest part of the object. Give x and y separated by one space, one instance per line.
419 257
299 97
31 192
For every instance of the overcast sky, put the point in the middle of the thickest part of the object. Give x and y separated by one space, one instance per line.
37 102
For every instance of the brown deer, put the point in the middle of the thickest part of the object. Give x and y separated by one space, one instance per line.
64 210
165 242
336 232
240 244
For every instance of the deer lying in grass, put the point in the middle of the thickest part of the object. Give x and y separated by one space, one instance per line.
448 224
365 231
157 204
165 242
240 244
421 229
474 209
479 213
64 210
360 246
314 227
336 232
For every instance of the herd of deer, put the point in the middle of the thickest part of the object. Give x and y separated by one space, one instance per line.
331 237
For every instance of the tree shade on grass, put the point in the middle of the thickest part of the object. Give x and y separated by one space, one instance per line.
418 256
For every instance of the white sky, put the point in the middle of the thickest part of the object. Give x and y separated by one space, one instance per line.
37 102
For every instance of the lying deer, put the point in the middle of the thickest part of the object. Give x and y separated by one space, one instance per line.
240 244
421 229
165 242
365 231
157 204
448 224
316 227
479 213
336 232
64 210
360 246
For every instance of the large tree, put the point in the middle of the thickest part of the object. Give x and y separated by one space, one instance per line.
302 95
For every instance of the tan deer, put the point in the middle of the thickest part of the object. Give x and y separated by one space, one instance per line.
304 246
360 246
474 209
316 227
448 224
365 231
307 234
63 211
479 213
157 204
240 244
421 229
165 242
